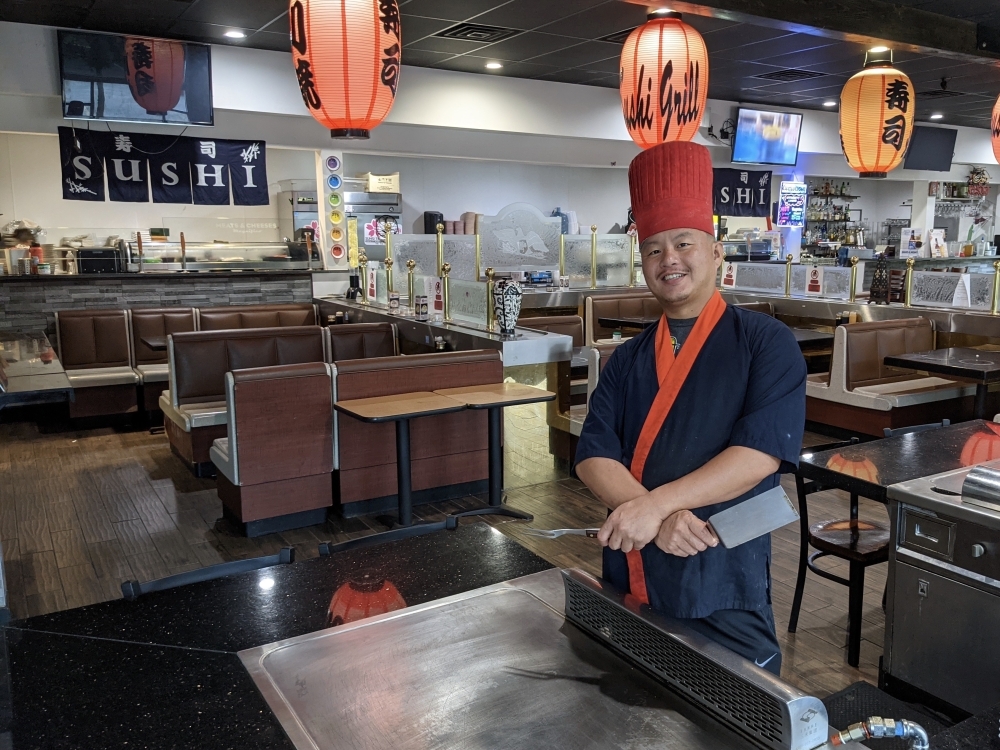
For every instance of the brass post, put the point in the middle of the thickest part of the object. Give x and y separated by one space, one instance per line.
908 292
854 277
440 249
138 245
363 263
593 256
446 269
631 261
387 229
788 275
479 256
184 261
995 307
309 248
410 265
388 278
562 256
491 321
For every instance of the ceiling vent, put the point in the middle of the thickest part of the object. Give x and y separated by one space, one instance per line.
475 32
790 75
618 37
938 94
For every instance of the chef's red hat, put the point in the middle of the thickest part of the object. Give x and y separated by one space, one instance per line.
671 188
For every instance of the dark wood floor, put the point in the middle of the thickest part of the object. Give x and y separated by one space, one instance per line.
82 510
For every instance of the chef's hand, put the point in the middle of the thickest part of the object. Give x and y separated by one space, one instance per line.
632 525
684 534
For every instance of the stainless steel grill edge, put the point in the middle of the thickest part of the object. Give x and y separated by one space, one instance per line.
742 697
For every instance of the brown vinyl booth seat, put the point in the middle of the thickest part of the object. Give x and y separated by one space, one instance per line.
256 316
362 341
149 365
449 452
632 305
764 307
94 350
194 407
274 467
862 394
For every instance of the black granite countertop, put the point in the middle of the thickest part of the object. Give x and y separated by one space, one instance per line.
146 275
967 364
981 732
162 671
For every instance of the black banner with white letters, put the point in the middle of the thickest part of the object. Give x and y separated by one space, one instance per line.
739 192
174 169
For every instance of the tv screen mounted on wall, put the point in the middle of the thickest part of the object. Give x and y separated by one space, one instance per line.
135 79
764 137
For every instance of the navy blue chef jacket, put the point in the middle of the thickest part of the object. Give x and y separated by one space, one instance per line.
747 387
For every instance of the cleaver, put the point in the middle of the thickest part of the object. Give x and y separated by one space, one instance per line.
752 518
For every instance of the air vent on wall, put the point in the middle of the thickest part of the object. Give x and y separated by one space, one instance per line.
618 37
790 75
475 32
938 94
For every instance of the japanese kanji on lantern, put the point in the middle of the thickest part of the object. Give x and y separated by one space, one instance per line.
664 80
347 56
155 73
876 115
995 130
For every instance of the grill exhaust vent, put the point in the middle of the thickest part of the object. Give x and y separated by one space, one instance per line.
475 32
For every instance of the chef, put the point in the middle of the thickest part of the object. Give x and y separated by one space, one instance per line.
697 413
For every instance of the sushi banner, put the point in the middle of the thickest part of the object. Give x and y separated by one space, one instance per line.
171 169
740 192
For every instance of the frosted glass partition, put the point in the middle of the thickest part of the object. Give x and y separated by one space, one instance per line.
234 229
754 277
614 256
381 292
467 300
832 282
520 238
459 251
947 289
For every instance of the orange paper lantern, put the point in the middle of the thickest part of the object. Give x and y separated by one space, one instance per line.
876 116
155 73
664 81
347 56
995 130
363 596
864 470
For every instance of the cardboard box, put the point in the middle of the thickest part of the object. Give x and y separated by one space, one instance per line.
382 183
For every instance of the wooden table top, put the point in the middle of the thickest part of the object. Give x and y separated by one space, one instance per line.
156 343
496 394
398 406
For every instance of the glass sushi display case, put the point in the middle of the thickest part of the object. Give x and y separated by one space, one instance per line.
165 257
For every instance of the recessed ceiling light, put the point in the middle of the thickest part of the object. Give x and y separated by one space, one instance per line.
936 116
494 65
830 104
879 49
234 34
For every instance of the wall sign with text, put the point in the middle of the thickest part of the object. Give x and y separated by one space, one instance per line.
173 169
740 192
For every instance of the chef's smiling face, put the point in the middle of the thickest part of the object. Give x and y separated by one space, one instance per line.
680 266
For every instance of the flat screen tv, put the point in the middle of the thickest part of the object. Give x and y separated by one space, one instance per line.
135 79
931 149
767 137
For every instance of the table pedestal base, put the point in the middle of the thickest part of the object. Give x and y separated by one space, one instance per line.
495 510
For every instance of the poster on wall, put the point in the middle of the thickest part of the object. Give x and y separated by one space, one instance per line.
739 192
173 169
939 248
911 242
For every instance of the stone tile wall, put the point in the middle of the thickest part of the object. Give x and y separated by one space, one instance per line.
30 305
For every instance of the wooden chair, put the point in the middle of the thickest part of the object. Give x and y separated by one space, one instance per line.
860 543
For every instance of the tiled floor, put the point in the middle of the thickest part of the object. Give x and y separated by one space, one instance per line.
83 510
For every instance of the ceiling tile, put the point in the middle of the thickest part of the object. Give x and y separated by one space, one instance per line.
415 28
452 10
440 44
530 14
471 64
599 21
251 14
423 58
527 45
757 51
740 35
582 54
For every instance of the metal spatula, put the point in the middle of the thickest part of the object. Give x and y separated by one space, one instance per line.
752 518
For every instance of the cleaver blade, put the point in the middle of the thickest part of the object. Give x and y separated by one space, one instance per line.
752 518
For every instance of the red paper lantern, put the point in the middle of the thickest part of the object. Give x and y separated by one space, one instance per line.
363 596
347 56
982 446
155 73
876 116
995 130
664 81
864 469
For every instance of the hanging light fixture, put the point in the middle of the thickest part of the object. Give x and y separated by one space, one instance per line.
664 80
876 115
347 56
155 69
995 130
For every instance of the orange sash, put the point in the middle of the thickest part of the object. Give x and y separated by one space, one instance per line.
671 374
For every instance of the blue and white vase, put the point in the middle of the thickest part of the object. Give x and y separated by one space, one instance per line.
507 304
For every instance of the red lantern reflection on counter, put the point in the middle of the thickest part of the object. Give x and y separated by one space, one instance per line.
876 115
155 70
864 470
982 446
365 595
347 56
664 80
